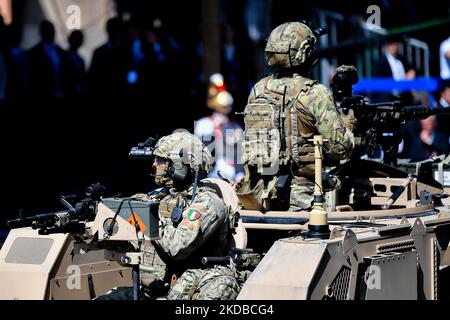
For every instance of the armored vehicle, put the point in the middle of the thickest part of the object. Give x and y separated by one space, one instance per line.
375 231
389 240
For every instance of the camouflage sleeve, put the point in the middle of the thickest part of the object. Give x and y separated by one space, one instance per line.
319 101
258 89
252 95
200 220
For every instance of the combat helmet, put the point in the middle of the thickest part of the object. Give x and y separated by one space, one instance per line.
289 45
185 153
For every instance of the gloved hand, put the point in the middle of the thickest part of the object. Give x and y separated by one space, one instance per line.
140 197
348 118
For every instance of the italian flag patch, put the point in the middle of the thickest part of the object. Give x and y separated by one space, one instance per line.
193 215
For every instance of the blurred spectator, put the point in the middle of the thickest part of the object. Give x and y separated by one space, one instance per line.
230 64
422 140
221 134
2 60
108 72
154 48
45 65
17 87
444 101
3 46
2 78
235 63
393 65
443 120
134 45
76 69
444 58
154 74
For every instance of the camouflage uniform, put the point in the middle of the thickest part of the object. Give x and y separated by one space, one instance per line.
317 114
289 47
218 283
202 230
204 219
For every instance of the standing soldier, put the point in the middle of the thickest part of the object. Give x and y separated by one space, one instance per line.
284 111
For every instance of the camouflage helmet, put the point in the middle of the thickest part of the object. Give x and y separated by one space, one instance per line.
290 45
184 148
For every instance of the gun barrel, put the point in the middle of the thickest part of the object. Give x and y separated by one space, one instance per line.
31 221
19 223
208 261
422 112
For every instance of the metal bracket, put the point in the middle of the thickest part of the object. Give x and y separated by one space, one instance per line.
336 233
404 220
349 242
425 198
418 228
132 258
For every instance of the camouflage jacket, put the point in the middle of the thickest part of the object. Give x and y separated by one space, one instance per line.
316 114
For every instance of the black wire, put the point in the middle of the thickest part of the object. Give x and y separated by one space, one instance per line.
111 226
136 224
194 191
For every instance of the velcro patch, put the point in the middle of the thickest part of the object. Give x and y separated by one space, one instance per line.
193 215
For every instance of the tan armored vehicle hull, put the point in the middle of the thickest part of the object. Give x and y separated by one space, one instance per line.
396 259
396 249
35 267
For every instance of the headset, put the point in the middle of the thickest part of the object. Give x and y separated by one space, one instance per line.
317 32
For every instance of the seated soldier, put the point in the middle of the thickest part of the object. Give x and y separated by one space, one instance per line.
195 222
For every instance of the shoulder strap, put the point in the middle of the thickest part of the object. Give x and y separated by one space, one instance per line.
227 193
303 86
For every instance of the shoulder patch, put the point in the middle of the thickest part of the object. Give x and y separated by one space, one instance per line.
193 215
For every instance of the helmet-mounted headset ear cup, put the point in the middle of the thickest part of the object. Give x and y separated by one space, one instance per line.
307 50
180 170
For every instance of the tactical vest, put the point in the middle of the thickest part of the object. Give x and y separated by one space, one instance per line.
272 135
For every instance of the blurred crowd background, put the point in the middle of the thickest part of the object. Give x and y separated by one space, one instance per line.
78 89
